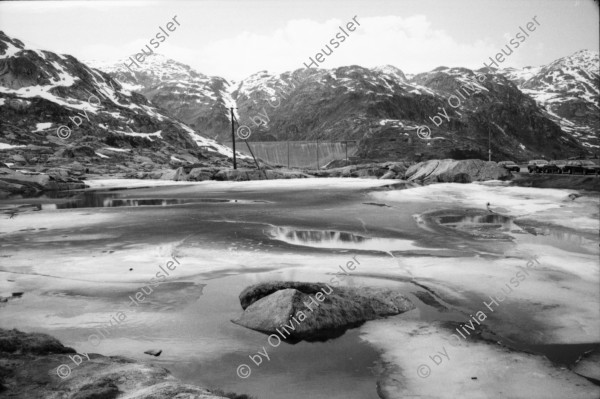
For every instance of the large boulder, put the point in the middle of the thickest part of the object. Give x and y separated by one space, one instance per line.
173 174
7 189
27 183
201 174
315 311
34 181
452 171
15 341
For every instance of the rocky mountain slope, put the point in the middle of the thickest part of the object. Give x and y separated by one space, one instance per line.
383 109
58 112
568 90
196 99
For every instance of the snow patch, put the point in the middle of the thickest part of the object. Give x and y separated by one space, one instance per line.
42 126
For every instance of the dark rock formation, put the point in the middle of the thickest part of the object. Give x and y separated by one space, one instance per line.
315 311
29 365
16 182
385 170
557 181
452 171
220 174
153 352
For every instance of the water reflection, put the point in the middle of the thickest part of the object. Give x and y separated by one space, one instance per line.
556 237
477 219
113 201
339 240
93 199
562 239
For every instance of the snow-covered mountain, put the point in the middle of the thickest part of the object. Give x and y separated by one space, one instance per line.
381 108
195 99
568 90
57 106
546 111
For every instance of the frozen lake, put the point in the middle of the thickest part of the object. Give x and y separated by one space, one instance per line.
78 259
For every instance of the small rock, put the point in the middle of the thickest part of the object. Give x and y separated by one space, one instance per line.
588 365
153 352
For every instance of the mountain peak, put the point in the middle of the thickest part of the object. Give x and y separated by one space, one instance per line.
390 70
9 47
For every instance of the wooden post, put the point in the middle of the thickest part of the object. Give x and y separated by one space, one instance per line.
255 161
233 139
489 145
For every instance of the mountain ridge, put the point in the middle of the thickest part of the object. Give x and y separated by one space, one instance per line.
306 112
546 111
105 125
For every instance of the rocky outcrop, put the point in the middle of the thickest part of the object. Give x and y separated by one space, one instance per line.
591 183
452 171
30 364
386 170
315 311
220 174
30 183
255 174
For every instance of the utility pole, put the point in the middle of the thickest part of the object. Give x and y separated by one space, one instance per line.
489 145
233 139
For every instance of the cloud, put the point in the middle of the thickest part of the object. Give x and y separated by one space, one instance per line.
410 43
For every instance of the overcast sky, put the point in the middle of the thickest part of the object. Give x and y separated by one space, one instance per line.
234 39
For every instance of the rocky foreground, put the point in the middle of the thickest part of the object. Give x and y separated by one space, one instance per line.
25 179
29 368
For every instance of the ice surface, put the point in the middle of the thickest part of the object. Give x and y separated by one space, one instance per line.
549 205
39 127
5 146
465 368
283 184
